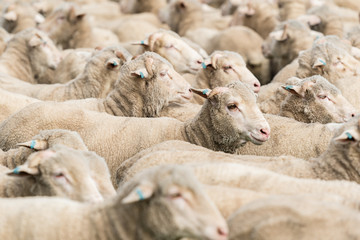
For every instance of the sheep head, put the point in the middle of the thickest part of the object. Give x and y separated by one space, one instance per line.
234 115
314 99
174 195
224 67
170 46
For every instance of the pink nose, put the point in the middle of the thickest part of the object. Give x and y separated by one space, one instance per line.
265 132
187 94
222 232
256 87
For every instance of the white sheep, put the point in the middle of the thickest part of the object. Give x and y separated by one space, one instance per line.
220 125
28 56
97 79
69 27
160 203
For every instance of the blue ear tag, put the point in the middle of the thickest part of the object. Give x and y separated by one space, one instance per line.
324 63
33 143
205 91
139 192
115 63
16 170
289 87
349 136
142 75
203 65
142 42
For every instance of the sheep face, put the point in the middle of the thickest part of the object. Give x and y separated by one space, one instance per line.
154 83
329 61
174 204
61 24
43 53
318 100
60 171
224 67
19 16
236 116
170 46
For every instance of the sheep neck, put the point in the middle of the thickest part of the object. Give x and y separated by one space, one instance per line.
201 131
126 104
81 35
85 85
15 60
336 163
113 220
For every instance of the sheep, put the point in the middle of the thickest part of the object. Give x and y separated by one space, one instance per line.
42 141
58 171
185 15
311 99
130 30
338 162
219 125
145 87
330 58
138 6
96 81
224 67
170 46
250 50
161 203
72 65
353 36
69 27
18 16
261 16
331 20
12 102
294 217
283 44
28 55
47 139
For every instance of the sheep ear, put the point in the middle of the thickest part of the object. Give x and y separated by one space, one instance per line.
142 42
75 16
293 89
310 19
120 55
31 166
280 35
112 63
348 136
35 144
39 18
319 63
10 16
35 41
142 73
201 92
181 5
141 192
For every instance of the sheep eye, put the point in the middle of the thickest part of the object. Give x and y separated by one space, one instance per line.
59 175
232 107
61 18
163 73
227 67
322 96
169 46
176 195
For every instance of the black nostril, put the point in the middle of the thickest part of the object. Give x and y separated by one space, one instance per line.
221 232
353 115
199 62
256 85
264 132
